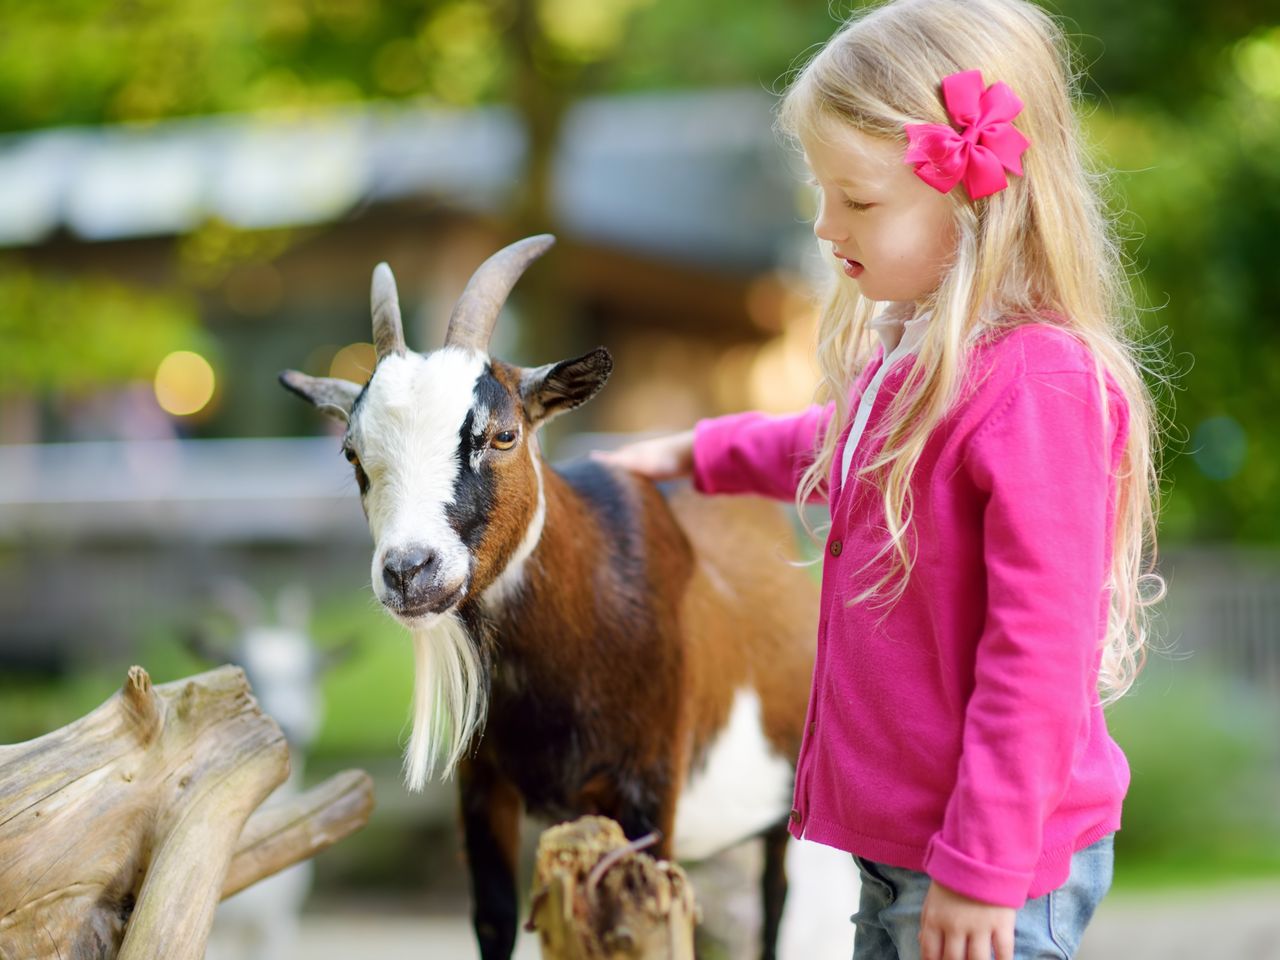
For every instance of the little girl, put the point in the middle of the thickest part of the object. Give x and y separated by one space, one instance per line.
985 447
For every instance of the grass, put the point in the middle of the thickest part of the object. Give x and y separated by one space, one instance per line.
366 696
1202 807
1205 762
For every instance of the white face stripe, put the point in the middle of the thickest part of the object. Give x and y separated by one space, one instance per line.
479 426
406 432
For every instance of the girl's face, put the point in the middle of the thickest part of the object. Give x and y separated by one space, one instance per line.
894 232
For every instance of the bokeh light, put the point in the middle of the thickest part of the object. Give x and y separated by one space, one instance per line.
354 362
184 383
1219 446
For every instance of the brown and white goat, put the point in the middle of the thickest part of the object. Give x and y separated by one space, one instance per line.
584 642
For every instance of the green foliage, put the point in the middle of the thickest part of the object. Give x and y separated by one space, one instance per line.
1201 187
366 697
30 707
1205 776
717 43
1184 99
84 61
74 333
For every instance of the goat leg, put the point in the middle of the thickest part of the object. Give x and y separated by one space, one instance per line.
773 887
491 809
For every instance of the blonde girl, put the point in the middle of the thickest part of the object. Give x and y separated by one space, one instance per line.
984 440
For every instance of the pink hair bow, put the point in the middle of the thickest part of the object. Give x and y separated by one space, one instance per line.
986 145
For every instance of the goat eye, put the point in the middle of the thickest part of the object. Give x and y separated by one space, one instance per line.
362 479
504 440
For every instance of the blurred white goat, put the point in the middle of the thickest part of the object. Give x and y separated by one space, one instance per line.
284 670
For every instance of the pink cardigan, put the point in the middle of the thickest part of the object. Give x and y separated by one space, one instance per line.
959 731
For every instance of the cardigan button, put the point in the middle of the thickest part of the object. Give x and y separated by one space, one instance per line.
836 547
795 816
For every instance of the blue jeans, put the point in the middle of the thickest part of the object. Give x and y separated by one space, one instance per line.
1047 928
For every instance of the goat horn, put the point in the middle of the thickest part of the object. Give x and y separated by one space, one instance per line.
388 331
476 311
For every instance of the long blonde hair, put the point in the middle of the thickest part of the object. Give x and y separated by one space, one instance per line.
1045 243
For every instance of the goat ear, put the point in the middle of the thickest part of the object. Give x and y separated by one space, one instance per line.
330 396
551 390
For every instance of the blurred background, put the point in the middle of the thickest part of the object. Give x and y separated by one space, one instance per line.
193 194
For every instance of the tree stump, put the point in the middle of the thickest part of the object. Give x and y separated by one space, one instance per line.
597 897
120 832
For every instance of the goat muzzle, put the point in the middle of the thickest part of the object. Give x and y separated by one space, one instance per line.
413 583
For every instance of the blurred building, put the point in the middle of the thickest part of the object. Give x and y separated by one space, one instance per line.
680 235
674 214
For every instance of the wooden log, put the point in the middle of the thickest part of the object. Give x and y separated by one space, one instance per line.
283 832
117 831
598 897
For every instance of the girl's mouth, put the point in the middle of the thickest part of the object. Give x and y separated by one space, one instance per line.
852 268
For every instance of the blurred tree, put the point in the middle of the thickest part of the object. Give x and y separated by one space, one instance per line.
67 334
1203 193
1184 100
95 61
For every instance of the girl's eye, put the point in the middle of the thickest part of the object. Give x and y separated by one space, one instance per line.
504 440
851 204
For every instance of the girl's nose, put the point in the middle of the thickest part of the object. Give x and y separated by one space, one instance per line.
824 225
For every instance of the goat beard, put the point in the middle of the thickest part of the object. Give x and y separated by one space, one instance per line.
450 700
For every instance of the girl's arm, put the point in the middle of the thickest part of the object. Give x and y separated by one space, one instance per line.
659 458
1046 460
739 453
756 452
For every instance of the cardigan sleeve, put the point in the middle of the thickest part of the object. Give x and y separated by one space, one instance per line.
1043 460
757 453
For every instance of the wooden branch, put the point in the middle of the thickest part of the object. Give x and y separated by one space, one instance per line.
597 897
117 831
283 832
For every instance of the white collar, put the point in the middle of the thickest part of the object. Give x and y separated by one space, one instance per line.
898 336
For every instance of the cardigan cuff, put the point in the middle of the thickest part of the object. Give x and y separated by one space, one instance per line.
981 881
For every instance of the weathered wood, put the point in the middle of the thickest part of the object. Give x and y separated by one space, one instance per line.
117 831
597 897
282 833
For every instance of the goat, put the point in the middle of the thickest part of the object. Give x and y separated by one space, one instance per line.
584 642
284 669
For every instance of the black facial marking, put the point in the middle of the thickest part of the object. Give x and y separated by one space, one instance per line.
473 492
355 404
491 394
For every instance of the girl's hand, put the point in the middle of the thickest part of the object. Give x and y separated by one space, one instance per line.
662 458
955 927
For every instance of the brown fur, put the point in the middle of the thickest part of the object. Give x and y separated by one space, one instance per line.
750 616
514 508
723 607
